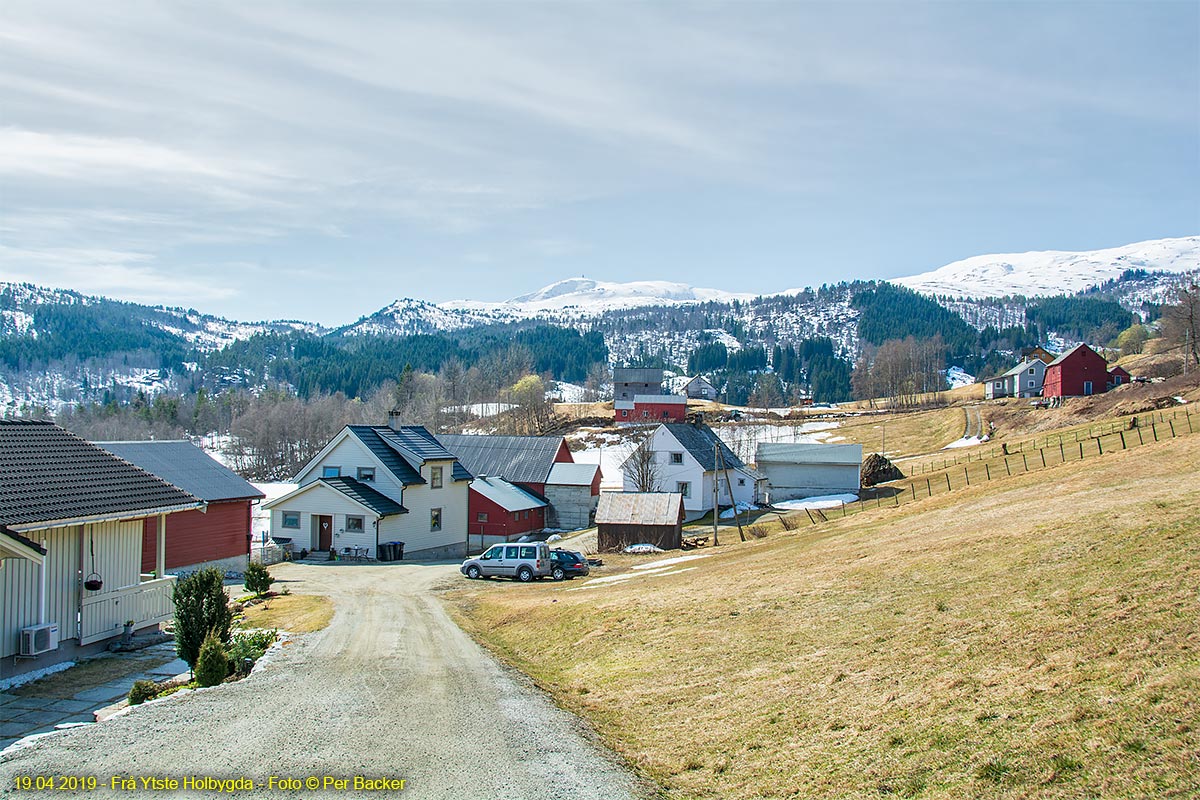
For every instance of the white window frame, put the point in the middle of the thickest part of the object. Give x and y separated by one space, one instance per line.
352 520
435 478
331 468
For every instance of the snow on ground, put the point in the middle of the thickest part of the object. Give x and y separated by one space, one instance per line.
742 508
957 376
610 460
966 441
261 518
743 439
564 392
481 410
821 501
666 562
609 580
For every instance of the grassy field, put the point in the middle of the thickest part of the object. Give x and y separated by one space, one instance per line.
295 613
1031 637
904 431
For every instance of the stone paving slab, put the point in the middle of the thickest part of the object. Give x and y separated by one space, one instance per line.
71 706
102 694
172 669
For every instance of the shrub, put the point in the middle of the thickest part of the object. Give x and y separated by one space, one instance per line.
788 523
212 666
201 608
141 691
249 645
757 531
258 579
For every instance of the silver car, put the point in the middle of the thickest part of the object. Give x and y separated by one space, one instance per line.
523 562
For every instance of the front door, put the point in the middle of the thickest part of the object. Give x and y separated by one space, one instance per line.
324 532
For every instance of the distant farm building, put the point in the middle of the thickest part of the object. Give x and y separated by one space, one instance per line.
794 471
1023 380
629 383
629 518
699 388
1080 372
501 512
651 408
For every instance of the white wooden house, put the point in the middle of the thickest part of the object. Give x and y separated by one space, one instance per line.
71 525
794 470
374 484
685 461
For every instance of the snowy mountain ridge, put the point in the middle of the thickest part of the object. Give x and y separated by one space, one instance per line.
1054 272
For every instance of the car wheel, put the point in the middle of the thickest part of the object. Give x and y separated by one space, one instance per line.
557 573
524 574
473 572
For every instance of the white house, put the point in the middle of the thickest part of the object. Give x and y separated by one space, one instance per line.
1023 380
374 484
796 470
685 460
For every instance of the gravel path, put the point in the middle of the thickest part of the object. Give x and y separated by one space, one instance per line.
392 688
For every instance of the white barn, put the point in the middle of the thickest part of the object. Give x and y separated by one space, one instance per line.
793 470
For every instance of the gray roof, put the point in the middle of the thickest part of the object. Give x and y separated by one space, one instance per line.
573 474
639 508
363 494
186 466
506 495
519 459
637 375
808 453
699 440
48 474
1069 353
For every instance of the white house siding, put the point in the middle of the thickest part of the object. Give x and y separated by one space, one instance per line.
794 481
413 528
322 501
350 454
699 500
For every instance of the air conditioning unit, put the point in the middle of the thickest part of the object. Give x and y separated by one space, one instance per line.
38 639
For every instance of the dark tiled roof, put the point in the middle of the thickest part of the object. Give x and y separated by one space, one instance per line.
48 474
518 459
698 440
637 375
186 466
395 463
358 491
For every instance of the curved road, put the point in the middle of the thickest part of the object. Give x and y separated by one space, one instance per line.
392 688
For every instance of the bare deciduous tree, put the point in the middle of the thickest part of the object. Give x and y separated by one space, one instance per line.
641 469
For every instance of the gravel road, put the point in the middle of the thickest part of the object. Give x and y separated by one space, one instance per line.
391 689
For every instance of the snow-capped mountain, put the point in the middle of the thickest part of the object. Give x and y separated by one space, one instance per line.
584 297
407 316
1054 272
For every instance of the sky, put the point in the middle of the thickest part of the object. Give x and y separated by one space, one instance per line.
318 160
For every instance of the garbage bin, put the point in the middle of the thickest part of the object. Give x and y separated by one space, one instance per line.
385 551
399 550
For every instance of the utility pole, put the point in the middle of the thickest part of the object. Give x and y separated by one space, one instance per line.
716 505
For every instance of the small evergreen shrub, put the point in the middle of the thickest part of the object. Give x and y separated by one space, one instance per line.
212 665
201 608
258 579
249 645
141 691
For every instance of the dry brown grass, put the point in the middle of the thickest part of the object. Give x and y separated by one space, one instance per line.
88 674
1033 637
295 613
906 431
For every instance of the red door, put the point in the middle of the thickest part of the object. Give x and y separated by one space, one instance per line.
324 533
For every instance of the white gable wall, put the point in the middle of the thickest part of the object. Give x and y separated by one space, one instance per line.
700 497
350 454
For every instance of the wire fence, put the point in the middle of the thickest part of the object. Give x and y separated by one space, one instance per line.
934 477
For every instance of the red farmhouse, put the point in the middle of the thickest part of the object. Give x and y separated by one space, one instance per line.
501 510
218 537
652 408
1080 371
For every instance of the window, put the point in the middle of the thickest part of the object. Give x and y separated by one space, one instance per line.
354 524
511 552
1031 370
516 515
526 515
645 415
291 519
741 481
684 488
1031 383
435 477
704 392
666 414
528 552
481 516
999 384
331 472
366 474
624 413
676 458
435 519
493 552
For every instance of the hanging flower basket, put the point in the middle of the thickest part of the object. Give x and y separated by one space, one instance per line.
93 582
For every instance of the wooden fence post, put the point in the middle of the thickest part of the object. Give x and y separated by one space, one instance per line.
1172 424
1007 468
1025 461
1123 440
967 476
1043 453
1081 451
1140 439
1099 445
949 488
1062 453
988 471
913 486
1154 430
928 487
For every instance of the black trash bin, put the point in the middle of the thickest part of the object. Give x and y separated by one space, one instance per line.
399 550
385 551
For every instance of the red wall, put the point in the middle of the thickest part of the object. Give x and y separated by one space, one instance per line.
676 412
563 456
500 521
194 537
1066 379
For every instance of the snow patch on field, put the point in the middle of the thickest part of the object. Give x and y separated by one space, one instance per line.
966 441
821 501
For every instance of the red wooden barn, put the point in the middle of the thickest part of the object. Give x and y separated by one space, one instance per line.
651 408
501 511
218 537
1118 376
1079 372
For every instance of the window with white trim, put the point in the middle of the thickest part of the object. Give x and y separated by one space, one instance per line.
435 477
366 474
291 519
354 524
684 488
331 472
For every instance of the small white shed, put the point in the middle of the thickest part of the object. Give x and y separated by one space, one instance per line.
794 471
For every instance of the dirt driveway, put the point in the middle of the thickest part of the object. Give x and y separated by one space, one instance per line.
392 688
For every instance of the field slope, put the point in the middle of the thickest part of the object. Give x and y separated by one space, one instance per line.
1032 637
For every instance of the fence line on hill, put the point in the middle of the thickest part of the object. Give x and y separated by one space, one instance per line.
1001 463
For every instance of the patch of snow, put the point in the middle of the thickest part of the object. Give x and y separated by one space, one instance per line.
742 508
666 562
957 376
966 441
37 674
584 297
821 501
642 549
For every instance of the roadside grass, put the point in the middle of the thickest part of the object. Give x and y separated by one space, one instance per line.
87 674
1037 636
295 613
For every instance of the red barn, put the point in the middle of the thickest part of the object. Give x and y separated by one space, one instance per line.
1118 376
652 408
498 511
218 537
1080 371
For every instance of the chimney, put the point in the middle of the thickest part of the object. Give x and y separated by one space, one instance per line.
394 419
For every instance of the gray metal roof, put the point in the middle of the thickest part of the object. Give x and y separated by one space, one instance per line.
806 453
637 375
186 466
506 495
358 491
639 508
698 439
519 459
48 474
572 474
